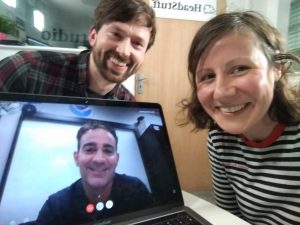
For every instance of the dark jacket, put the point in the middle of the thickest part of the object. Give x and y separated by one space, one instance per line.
68 206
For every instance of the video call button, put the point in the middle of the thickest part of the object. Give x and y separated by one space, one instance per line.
109 204
99 206
90 208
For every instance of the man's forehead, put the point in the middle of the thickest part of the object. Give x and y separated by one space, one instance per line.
135 31
98 144
98 132
125 25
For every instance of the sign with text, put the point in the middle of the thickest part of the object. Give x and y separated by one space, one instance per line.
199 10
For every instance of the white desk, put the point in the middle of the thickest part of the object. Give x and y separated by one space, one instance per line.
211 212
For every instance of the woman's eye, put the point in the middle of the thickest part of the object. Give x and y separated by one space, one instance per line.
240 70
205 77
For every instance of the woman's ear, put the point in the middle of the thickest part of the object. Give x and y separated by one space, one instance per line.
278 68
278 74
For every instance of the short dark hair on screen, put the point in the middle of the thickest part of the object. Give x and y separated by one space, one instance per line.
92 125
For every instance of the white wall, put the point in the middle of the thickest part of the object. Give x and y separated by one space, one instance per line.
276 11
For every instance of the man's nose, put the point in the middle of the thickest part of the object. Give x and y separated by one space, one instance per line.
124 47
99 156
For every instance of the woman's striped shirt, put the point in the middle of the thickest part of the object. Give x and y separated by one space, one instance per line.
259 182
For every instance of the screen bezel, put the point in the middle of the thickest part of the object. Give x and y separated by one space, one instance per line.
176 199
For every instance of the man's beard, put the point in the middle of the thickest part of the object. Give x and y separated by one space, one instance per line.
107 74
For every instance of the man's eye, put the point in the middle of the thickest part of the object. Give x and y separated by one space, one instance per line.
116 35
89 150
137 44
109 152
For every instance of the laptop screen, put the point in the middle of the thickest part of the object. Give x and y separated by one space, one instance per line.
53 174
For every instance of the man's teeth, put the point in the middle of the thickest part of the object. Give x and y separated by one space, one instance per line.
232 109
118 62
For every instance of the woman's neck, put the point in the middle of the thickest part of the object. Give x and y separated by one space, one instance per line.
268 141
262 130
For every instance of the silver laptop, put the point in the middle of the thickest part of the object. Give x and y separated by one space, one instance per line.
38 173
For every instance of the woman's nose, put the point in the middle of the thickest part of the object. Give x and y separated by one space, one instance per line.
223 88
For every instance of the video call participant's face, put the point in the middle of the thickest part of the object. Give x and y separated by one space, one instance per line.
97 159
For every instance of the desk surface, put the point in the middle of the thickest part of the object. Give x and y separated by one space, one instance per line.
211 212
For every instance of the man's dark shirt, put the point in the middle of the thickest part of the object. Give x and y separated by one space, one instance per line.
52 73
68 206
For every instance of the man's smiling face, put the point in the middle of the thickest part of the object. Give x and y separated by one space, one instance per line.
97 158
118 49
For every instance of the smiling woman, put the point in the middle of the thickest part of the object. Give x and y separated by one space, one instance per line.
241 91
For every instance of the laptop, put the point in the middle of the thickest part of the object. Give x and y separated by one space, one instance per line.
38 140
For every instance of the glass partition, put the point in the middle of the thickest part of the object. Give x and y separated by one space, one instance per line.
53 23
293 44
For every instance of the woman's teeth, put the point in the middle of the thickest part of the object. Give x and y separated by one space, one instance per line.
232 109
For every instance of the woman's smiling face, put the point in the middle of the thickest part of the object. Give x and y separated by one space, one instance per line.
235 83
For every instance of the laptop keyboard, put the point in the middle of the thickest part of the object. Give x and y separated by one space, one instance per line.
181 218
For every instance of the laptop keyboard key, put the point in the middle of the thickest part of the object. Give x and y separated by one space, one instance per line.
181 218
